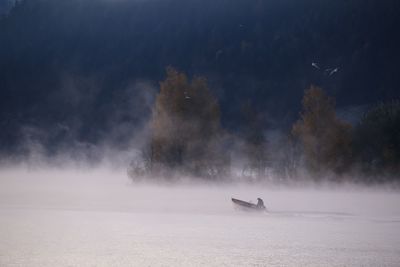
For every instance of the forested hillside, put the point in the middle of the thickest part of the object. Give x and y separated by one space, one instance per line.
82 68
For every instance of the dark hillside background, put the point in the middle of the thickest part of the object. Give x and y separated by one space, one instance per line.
79 70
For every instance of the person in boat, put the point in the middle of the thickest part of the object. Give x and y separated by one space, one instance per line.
260 203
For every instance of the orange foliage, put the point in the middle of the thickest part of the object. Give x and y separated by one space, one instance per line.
325 139
185 124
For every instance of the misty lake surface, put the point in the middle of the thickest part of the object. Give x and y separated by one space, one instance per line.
100 218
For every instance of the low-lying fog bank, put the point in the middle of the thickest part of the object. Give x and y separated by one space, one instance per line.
99 217
111 190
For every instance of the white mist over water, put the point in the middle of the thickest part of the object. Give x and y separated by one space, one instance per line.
99 218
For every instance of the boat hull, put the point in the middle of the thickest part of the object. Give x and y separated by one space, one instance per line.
244 205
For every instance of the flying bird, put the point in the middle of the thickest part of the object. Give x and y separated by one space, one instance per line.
333 71
315 65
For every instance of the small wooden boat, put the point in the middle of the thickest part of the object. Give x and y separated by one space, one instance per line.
248 205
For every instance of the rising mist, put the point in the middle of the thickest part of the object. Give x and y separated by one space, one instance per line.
127 127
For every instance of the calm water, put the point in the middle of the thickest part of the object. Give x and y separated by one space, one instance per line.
90 219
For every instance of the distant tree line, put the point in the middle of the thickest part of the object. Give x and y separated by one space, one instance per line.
69 69
187 138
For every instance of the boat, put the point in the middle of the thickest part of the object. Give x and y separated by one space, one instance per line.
244 205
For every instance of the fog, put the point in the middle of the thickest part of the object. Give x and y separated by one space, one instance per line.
128 125
99 217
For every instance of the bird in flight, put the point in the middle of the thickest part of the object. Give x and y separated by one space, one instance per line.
315 65
333 71
328 71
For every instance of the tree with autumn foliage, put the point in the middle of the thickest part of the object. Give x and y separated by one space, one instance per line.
186 130
325 140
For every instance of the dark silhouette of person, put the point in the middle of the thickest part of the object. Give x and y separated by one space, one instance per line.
260 203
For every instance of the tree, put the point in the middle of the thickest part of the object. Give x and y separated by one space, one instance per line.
325 140
186 131
255 143
377 139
